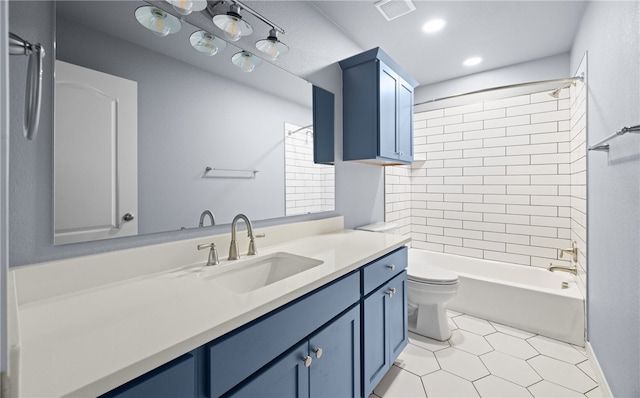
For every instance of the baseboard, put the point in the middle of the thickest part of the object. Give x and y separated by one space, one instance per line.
602 381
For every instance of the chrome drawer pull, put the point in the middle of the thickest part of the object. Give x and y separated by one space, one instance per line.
392 267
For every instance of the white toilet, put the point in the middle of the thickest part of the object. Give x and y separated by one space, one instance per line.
428 290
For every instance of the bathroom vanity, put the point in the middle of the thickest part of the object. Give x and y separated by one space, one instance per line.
332 329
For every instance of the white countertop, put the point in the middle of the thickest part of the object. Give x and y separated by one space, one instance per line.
88 342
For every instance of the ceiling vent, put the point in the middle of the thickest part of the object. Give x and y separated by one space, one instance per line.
392 9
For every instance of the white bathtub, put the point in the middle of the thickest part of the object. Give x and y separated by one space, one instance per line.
527 298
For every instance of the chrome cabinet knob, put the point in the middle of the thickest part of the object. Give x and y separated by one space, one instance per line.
307 361
392 267
318 352
128 217
391 292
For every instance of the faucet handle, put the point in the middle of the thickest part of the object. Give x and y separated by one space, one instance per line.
252 245
213 253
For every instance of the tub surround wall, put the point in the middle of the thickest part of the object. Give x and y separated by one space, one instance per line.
491 180
608 34
579 179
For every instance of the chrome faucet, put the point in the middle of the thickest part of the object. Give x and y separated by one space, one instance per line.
233 248
573 251
572 269
202 216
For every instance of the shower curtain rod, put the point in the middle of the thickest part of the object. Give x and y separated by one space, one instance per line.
485 90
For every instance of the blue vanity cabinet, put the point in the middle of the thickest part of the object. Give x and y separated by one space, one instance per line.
377 109
326 364
238 355
384 314
178 378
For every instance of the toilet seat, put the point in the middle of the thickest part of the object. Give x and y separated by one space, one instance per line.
431 275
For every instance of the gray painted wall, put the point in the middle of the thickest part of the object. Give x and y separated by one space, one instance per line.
609 33
182 128
30 186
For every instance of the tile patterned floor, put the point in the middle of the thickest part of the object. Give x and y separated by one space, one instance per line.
486 359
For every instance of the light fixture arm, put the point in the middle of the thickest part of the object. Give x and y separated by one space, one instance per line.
258 15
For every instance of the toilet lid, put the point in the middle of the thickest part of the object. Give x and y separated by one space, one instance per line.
431 274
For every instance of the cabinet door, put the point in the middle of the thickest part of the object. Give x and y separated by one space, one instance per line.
398 332
286 377
175 379
375 346
388 122
335 371
405 121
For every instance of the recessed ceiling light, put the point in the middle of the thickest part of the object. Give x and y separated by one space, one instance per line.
434 25
472 61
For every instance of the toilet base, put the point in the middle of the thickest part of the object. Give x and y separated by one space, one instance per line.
431 321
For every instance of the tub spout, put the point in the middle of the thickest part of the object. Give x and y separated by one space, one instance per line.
572 269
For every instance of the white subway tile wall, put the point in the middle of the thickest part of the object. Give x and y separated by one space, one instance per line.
578 172
501 180
309 187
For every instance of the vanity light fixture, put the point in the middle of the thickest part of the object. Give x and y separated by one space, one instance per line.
207 43
245 61
472 61
186 7
434 25
271 46
157 21
232 23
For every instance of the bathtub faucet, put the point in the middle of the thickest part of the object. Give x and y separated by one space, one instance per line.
572 269
573 251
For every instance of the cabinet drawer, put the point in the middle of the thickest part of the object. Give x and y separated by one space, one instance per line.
383 269
174 379
239 354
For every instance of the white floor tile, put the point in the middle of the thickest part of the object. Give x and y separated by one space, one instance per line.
461 363
510 368
427 343
546 389
492 386
398 383
452 324
442 384
417 360
474 325
511 345
469 342
562 373
556 349
595 393
512 331
587 368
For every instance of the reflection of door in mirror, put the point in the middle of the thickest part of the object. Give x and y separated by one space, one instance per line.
309 186
95 167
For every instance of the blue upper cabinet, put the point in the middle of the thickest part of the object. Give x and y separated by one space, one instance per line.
377 109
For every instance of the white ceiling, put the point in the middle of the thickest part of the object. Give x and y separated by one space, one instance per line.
503 33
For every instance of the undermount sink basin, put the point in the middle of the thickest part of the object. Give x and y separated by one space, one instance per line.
242 276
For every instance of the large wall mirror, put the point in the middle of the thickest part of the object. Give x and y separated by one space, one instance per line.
151 133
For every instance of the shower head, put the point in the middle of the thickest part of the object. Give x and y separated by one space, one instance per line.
572 82
556 93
